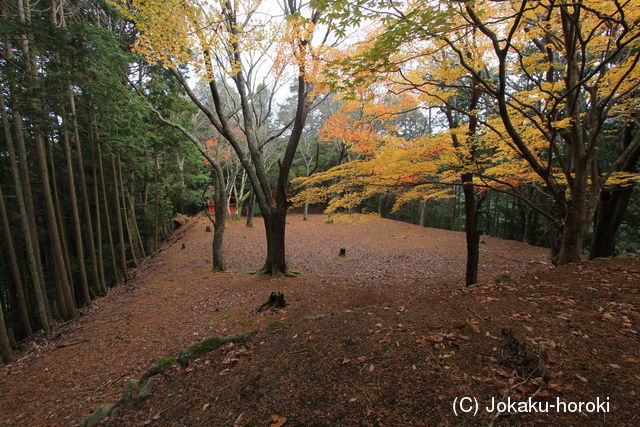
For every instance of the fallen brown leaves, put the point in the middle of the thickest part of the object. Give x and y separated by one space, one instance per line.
398 342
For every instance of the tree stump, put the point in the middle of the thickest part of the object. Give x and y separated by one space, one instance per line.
276 300
343 252
208 229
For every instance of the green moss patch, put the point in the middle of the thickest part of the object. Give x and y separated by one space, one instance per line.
277 326
159 367
199 349
206 346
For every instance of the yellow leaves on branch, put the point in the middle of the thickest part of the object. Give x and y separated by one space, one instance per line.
362 123
622 179
352 218
209 37
412 169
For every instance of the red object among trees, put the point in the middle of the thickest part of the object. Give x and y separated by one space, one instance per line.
232 205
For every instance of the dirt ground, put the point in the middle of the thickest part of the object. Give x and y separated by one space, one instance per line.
399 340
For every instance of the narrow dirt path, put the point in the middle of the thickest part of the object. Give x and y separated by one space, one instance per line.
174 299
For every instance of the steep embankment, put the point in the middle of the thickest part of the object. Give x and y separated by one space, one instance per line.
174 300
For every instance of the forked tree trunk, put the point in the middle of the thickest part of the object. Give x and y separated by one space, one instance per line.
275 225
611 209
576 221
613 203
274 214
251 158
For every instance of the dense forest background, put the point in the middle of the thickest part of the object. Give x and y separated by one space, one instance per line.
100 150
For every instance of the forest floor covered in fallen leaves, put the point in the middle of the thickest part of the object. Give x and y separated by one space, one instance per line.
397 341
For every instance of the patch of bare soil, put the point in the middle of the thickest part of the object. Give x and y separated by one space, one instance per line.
174 300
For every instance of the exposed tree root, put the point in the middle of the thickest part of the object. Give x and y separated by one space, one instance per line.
275 273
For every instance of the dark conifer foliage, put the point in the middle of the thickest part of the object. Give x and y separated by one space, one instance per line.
73 227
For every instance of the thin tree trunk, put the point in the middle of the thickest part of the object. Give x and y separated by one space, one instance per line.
41 299
528 223
24 16
54 234
251 209
25 180
156 234
145 197
305 209
116 195
5 344
85 194
15 270
452 209
470 205
471 229
135 225
423 213
125 214
62 284
60 216
96 202
107 213
84 282
220 201
240 195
